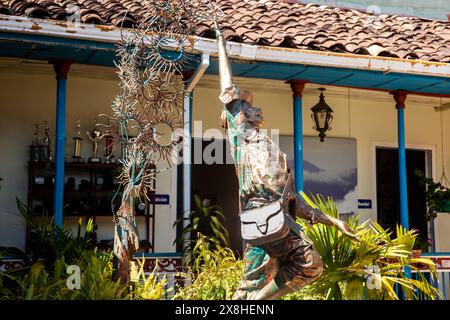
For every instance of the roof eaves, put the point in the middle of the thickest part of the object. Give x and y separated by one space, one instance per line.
242 51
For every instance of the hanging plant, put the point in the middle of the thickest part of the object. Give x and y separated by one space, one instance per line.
437 196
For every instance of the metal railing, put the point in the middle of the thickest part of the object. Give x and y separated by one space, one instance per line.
442 282
165 266
442 261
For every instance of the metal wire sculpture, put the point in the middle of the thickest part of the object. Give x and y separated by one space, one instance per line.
152 57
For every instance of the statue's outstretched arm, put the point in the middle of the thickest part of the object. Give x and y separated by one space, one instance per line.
229 91
226 79
313 215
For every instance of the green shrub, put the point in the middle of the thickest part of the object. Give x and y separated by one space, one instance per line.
39 283
50 242
215 274
348 265
214 271
97 282
53 249
207 220
305 293
145 287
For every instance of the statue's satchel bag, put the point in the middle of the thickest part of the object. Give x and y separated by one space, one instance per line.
265 224
268 223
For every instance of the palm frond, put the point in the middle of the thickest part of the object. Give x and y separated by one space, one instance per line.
348 265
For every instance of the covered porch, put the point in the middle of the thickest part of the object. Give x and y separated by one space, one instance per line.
300 72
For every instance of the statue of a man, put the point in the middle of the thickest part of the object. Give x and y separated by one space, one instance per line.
284 265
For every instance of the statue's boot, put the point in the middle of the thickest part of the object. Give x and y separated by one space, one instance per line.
272 291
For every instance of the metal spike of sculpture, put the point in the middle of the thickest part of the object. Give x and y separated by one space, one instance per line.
152 57
226 79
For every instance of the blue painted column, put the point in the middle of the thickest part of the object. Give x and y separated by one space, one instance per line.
400 98
297 87
61 69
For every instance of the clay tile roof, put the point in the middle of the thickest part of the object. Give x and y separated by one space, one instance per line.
277 23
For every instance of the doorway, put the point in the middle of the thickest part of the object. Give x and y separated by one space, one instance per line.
387 185
214 178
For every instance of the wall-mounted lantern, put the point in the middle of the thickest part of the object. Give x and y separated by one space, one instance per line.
322 116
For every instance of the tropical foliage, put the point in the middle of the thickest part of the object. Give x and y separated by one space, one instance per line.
44 272
373 268
147 287
40 283
306 293
97 282
207 220
50 242
214 274
369 269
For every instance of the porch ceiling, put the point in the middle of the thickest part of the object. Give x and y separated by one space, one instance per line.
44 48
103 54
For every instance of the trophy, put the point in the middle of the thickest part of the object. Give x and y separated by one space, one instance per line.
95 136
35 144
77 145
46 151
109 144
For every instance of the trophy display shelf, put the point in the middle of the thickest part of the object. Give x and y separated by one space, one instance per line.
88 188
87 165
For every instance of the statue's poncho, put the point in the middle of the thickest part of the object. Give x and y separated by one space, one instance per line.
262 171
261 167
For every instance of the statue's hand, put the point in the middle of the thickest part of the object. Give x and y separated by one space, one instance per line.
229 94
345 229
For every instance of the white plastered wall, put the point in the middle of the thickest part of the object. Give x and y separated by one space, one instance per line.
368 116
28 93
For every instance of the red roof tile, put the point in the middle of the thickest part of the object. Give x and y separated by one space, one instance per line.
278 23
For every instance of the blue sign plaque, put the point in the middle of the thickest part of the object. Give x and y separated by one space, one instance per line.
162 199
364 204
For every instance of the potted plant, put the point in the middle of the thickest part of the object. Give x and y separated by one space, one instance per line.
437 196
207 219
420 246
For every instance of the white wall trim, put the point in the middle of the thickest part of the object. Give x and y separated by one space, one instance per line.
328 59
174 207
111 34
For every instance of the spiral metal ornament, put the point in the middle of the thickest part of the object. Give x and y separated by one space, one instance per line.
165 97
137 175
148 109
